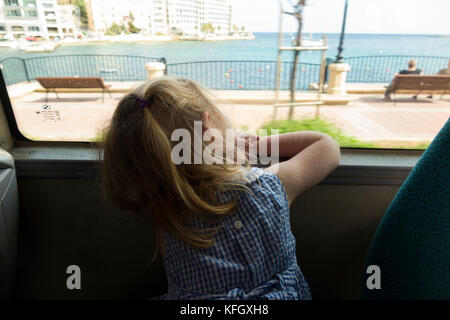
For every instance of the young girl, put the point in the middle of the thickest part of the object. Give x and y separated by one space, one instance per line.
223 229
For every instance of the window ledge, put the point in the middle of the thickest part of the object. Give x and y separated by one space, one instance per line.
79 161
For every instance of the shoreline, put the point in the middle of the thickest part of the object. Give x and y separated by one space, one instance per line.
262 48
126 39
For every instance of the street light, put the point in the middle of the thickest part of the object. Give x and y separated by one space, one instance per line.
339 57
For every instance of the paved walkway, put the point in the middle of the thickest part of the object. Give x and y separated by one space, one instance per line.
80 116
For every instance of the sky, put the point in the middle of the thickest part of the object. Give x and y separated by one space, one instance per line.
364 16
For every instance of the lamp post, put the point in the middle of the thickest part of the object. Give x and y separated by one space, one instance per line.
339 58
338 69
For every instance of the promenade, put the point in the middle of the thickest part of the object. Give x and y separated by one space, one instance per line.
80 116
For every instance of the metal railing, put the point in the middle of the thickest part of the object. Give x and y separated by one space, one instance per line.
14 70
244 75
108 67
218 75
381 69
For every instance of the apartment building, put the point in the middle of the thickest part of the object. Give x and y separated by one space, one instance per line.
217 12
103 13
188 16
161 16
40 18
158 18
183 16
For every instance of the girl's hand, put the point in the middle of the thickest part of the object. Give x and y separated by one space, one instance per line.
246 141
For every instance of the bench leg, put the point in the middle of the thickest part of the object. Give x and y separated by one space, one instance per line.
387 93
103 95
46 96
417 94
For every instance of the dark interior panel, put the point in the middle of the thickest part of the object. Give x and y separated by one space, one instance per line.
67 222
334 226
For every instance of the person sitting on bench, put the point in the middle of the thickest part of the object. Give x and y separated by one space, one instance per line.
445 71
442 72
412 69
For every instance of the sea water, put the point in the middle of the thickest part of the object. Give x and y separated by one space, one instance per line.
237 63
264 47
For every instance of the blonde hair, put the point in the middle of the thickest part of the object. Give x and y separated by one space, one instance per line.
138 172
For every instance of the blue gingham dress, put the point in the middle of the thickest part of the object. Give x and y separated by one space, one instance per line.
253 256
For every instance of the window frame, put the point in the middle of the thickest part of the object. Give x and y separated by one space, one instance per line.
15 132
9 112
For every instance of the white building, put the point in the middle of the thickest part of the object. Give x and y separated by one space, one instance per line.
183 16
158 24
161 16
103 13
68 17
219 13
188 16
43 18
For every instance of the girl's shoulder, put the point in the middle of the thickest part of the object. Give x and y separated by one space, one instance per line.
262 185
257 176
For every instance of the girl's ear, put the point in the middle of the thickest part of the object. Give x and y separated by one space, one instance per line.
206 121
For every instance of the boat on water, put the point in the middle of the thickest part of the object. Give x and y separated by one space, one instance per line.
9 44
311 43
215 37
307 41
38 46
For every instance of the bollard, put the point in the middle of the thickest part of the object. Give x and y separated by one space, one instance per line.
337 76
155 70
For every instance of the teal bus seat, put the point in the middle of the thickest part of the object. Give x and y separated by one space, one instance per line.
411 246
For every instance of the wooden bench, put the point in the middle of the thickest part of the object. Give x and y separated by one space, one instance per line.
419 83
53 83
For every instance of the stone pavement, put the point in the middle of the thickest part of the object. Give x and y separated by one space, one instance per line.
80 116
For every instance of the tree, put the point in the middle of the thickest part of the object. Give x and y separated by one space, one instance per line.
83 13
114 30
207 28
131 27
298 14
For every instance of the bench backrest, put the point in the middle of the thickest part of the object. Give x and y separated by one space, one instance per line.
421 82
71 82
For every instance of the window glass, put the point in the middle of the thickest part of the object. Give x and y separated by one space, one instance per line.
31 13
13 13
29 3
90 56
11 2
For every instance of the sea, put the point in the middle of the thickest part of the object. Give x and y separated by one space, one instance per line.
263 48
233 64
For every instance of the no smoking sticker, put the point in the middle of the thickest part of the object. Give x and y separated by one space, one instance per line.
49 115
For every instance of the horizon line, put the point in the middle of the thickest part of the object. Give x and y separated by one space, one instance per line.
364 33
